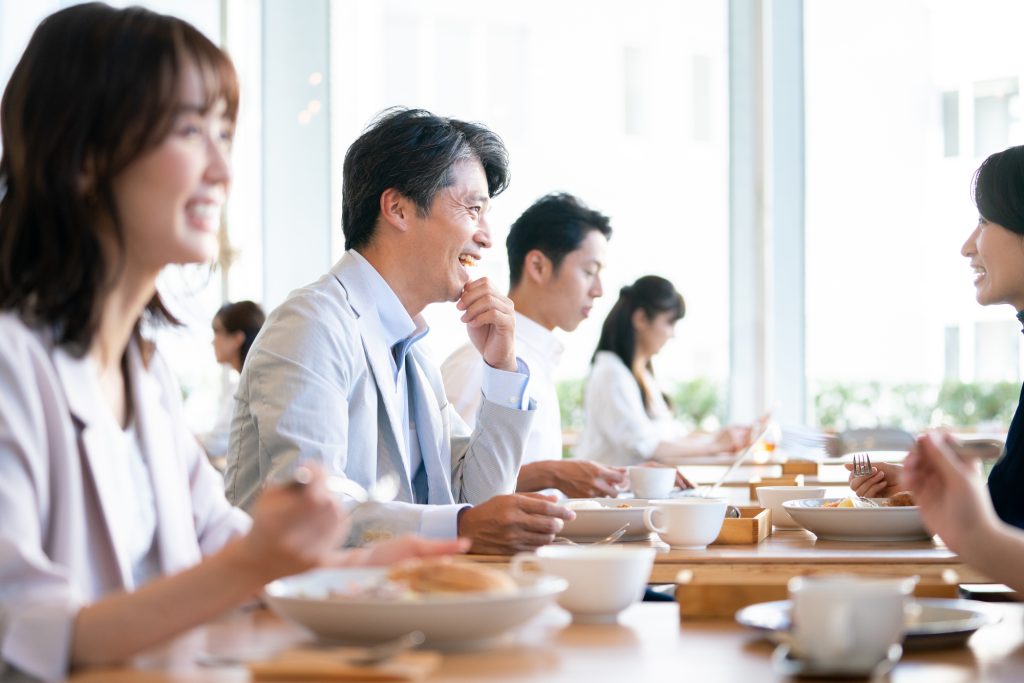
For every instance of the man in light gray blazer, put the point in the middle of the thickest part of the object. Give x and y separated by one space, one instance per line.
336 376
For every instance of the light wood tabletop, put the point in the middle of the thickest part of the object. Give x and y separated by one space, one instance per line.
649 644
719 580
799 552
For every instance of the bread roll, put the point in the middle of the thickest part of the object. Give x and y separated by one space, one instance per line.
901 499
443 575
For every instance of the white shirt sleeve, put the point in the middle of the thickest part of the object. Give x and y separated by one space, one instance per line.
509 389
440 521
468 380
617 429
463 374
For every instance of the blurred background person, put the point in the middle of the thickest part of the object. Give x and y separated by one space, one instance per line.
235 326
556 251
628 420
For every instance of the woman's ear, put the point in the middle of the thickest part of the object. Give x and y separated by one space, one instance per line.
640 321
237 339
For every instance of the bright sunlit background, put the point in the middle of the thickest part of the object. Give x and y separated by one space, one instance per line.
627 106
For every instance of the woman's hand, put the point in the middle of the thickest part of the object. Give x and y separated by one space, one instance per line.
294 528
953 499
734 438
885 480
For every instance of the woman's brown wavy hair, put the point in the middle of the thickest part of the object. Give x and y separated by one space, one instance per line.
96 88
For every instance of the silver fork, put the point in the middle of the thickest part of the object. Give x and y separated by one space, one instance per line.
607 540
861 468
861 465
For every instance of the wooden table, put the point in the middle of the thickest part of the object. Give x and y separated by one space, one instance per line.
721 579
799 552
831 471
649 644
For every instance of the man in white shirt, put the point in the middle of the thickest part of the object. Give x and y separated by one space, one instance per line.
336 375
556 251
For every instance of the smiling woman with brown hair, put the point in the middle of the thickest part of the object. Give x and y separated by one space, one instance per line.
114 531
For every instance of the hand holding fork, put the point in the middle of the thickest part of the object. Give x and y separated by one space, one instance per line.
880 480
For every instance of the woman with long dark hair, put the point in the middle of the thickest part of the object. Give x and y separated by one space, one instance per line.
628 420
235 326
114 531
995 249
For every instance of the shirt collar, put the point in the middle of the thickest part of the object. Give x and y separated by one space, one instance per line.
535 335
400 330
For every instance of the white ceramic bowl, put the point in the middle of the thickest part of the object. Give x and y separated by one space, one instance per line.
603 580
772 497
450 618
858 524
609 515
686 523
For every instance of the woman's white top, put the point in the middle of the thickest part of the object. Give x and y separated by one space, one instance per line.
136 505
617 429
215 441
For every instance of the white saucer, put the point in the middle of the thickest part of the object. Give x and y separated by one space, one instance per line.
934 623
786 663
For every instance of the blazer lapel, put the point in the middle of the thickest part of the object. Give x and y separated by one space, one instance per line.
85 401
434 446
378 354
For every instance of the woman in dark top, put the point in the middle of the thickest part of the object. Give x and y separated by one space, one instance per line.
996 252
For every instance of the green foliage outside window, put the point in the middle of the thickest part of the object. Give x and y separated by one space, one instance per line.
837 406
847 405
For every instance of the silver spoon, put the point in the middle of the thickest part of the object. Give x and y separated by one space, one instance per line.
379 654
607 540
370 656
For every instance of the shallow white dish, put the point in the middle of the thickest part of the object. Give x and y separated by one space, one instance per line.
451 618
591 525
857 524
938 623
788 664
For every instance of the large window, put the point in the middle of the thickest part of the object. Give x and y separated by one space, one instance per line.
903 101
623 105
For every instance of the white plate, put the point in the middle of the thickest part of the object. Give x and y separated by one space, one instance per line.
591 525
446 618
938 624
857 524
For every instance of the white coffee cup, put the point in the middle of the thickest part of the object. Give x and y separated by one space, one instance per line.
687 523
847 622
603 580
652 482
772 497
